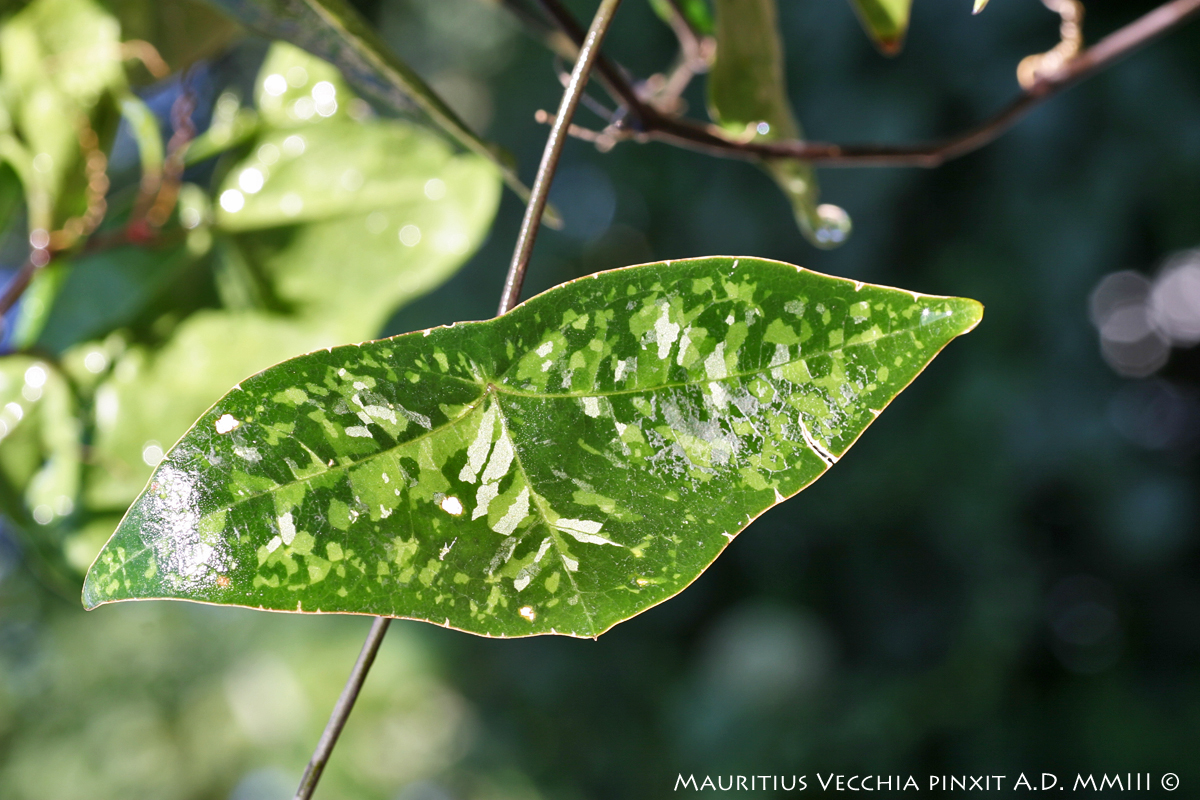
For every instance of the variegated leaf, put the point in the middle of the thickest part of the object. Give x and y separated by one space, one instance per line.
558 469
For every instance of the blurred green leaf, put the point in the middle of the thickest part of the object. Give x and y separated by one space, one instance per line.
11 194
392 205
334 31
60 61
695 12
746 85
37 302
153 394
232 125
103 291
558 469
319 188
885 21
40 451
747 96
72 44
143 126
296 89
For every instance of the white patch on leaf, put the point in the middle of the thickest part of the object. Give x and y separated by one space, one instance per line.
518 511
583 530
665 331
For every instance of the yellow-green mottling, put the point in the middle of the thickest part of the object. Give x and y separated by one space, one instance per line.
555 470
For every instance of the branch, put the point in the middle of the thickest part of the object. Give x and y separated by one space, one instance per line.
696 52
588 55
656 126
689 38
551 37
611 76
20 282
342 709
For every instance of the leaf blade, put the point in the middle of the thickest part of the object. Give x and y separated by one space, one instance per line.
506 477
747 95
332 30
885 21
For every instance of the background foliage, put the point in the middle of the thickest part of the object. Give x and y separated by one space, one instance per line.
1002 577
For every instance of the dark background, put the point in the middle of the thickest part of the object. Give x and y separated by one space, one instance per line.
1002 577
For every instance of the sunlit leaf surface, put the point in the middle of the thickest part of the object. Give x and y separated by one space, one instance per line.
886 22
60 65
555 470
387 200
40 452
323 229
336 32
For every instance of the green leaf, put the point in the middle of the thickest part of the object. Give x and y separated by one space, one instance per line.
11 196
558 469
885 21
40 455
79 38
36 303
747 96
105 290
406 209
59 60
153 395
143 125
696 13
318 184
231 126
295 89
334 31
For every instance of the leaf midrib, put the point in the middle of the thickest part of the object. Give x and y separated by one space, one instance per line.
537 502
493 385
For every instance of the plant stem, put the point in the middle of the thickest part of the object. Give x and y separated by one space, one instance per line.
341 710
588 53
512 289
613 78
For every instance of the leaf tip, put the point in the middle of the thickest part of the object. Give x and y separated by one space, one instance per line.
971 313
979 6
